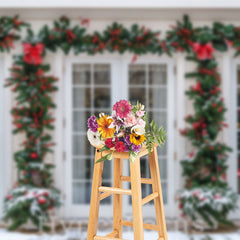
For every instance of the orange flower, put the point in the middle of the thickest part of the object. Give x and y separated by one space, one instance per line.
104 122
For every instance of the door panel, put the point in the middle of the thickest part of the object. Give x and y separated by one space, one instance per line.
90 92
147 84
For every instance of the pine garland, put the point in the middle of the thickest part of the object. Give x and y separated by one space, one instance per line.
9 26
204 169
33 117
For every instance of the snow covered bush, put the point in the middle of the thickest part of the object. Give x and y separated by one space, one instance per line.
30 203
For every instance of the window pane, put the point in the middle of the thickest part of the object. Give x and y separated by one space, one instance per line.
163 168
107 170
143 166
238 140
81 146
238 97
108 199
137 74
158 98
164 192
137 94
157 74
80 120
159 117
163 151
102 97
238 76
238 173
81 74
81 168
81 97
81 193
105 112
101 74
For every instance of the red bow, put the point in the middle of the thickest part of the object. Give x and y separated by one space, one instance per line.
203 51
33 54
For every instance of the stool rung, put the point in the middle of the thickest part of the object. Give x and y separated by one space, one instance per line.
145 225
104 195
149 198
113 190
143 180
107 238
114 233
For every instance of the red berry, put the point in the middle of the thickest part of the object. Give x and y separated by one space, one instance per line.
33 155
41 200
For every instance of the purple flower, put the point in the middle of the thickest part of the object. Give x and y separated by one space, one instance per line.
92 124
136 148
126 148
127 140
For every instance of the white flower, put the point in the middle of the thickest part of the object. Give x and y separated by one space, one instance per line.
138 129
94 138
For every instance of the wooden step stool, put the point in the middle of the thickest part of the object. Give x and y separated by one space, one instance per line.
100 192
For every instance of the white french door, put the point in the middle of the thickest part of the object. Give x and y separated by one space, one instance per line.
93 85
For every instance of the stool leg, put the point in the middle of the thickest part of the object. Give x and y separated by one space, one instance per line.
136 199
158 202
117 198
94 206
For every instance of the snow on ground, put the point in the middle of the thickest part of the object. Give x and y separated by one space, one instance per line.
148 235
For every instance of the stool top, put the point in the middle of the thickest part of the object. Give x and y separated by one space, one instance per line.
125 155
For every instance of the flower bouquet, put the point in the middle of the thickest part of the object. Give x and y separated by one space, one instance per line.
127 130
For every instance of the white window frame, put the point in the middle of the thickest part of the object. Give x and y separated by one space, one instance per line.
119 75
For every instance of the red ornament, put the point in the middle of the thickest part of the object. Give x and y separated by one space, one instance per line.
213 178
134 59
85 21
102 45
191 154
203 51
214 105
70 35
33 155
45 194
42 200
9 197
197 88
33 53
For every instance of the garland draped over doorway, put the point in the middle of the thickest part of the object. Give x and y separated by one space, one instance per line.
206 191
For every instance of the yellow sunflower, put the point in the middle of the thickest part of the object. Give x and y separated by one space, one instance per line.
137 139
103 127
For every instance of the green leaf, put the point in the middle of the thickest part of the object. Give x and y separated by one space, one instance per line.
106 157
104 148
132 156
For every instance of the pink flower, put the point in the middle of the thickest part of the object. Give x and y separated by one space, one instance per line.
130 120
122 108
141 122
203 51
140 113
